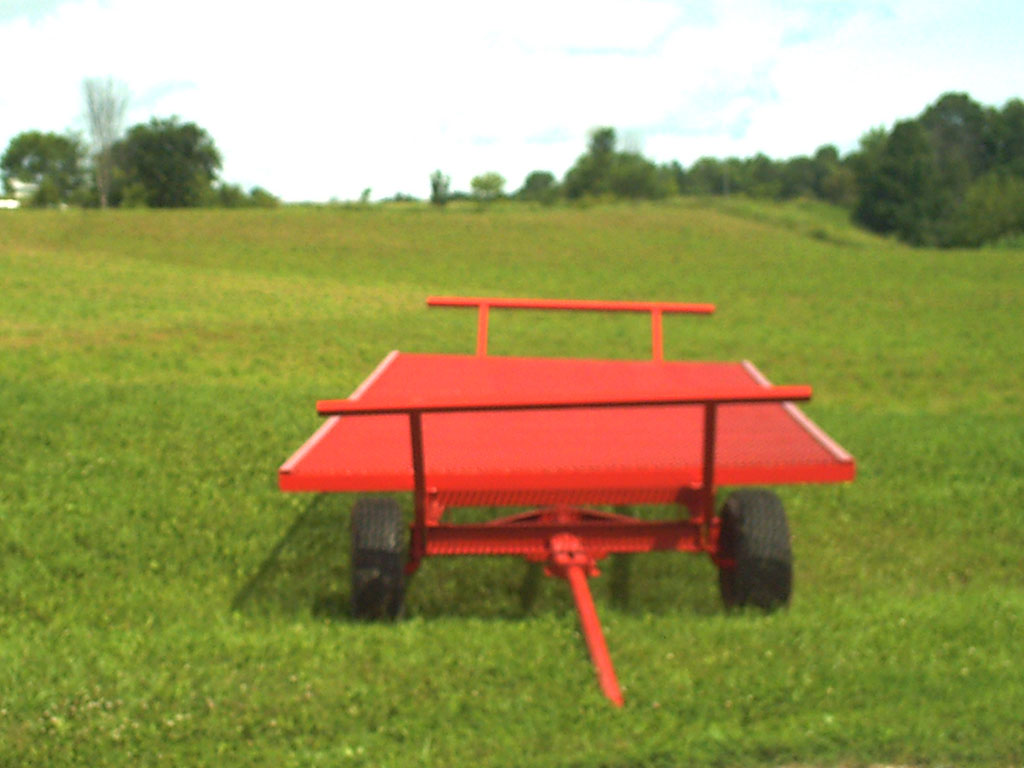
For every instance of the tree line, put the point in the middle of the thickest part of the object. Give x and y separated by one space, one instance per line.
604 171
953 176
163 163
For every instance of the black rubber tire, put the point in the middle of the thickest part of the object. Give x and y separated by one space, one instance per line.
378 559
755 536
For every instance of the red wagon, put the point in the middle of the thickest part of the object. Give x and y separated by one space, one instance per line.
561 437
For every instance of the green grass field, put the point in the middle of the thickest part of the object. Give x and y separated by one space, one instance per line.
161 603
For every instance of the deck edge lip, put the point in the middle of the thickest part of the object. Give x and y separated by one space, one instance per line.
374 375
826 442
308 446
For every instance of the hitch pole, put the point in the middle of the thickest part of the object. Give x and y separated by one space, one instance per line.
577 576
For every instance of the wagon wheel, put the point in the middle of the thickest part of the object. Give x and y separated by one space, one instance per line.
378 535
755 537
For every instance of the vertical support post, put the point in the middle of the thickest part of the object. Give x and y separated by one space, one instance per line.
418 543
707 489
592 632
481 328
657 346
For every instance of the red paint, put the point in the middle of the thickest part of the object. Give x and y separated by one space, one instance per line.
656 308
564 435
572 562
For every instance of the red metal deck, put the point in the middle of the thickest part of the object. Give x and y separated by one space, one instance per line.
607 455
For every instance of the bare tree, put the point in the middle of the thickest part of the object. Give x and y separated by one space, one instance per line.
106 102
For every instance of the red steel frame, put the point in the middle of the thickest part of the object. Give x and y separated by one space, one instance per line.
656 308
570 539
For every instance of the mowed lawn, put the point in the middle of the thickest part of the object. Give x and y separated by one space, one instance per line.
162 603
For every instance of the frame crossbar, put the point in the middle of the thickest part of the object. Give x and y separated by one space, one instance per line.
656 309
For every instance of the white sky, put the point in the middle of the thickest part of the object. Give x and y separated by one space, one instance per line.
314 99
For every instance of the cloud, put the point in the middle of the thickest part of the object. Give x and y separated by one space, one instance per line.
31 10
159 93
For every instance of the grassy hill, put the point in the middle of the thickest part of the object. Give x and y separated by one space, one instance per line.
162 603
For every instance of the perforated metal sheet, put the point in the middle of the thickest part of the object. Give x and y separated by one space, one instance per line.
607 455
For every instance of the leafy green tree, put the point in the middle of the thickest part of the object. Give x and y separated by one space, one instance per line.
1009 137
733 176
50 161
901 195
590 175
963 139
539 186
261 198
439 188
174 163
230 196
833 180
602 171
765 178
602 142
962 135
633 176
838 186
938 179
993 208
679 177
233 196
798 177
706 176
487 186
864 163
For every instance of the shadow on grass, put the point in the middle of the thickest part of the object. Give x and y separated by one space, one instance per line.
307 569
307 573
